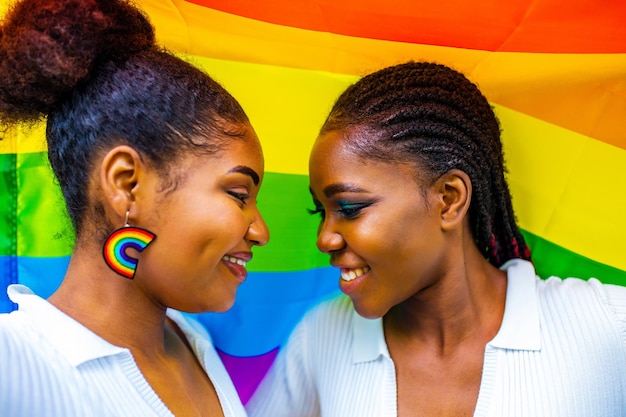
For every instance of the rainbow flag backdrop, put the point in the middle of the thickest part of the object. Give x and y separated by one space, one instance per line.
554 71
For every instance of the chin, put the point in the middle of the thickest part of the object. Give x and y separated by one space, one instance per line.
224 307
223 304
369 311
220 306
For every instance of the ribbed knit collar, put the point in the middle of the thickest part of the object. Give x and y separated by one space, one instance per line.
70 338
520 328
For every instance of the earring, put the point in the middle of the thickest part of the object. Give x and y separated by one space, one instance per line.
116 244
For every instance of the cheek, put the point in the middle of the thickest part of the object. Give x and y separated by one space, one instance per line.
203 228
401 234
375 238
227 217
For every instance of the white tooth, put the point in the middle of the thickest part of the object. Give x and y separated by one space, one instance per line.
352 274
348 276
234 260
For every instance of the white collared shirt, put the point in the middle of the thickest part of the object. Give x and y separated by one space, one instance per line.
53 366
560 352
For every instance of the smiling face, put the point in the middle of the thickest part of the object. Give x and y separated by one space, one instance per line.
378 226
206 227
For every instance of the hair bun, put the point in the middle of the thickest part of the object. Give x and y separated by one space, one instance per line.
48 46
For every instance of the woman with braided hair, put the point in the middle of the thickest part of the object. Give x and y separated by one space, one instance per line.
443 314
160 170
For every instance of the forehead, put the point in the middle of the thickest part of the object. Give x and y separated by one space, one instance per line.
243 149
245 145
333 161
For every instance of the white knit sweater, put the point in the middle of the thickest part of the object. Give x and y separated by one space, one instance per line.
560 352
52 366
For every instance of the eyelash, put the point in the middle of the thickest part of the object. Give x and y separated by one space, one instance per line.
349 211
239 196
317 210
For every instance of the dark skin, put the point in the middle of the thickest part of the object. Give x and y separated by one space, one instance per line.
437 337
118 312
437 342
158 346
440 299
132 313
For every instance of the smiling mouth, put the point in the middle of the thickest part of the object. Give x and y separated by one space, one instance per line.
237 266
350 274
234 260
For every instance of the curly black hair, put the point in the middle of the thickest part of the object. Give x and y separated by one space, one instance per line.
92 69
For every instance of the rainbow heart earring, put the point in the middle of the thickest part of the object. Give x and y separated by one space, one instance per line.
116 244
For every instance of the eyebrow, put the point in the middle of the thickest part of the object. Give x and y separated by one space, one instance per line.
333 189
247 171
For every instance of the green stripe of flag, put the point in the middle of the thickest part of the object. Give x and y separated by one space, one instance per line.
8 197
283 201
44 226
554 260
45 229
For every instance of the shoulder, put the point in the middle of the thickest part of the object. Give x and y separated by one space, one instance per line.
327 323
336 313
339 304
25 350
16 334
577 289
326 334
33 375
588 301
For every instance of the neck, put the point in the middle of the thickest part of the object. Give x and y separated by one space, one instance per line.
464 306
115 308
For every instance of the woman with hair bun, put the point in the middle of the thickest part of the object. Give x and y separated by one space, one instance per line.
160 170
443 314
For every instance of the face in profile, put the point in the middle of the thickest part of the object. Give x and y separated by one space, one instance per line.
206 228
380 228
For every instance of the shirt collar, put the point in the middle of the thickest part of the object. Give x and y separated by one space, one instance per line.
71 339
520 328
368 339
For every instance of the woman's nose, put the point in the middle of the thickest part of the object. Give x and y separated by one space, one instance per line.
328 238
258 233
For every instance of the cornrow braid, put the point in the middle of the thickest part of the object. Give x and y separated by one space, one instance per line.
433 116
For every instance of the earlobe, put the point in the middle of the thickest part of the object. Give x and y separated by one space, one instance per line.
119 174
456 191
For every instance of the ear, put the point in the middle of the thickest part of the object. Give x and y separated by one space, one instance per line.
455 188
120 171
